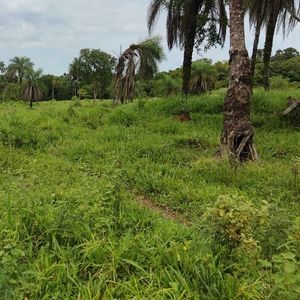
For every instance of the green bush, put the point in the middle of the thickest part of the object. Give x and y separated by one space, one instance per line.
279 82
234 221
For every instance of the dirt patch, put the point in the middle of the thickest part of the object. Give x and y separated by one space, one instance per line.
164 211
183 117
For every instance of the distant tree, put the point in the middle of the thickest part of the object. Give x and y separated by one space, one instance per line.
190 23
272 14
20 67
285 54
167 86
56 82
138 60
203 77
33 88
93 67
222 68
238 132
2 67
74 74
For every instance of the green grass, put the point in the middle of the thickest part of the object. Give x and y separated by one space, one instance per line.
71 227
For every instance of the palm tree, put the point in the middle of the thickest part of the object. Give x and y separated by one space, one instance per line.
203 76
189 21
20 67
238 132
139 59
257 13
280 13
167 86
33 88
55 84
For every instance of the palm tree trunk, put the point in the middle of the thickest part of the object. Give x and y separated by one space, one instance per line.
189 47
255 48
238 132
268 48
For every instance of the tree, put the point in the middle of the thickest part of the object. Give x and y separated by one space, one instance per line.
286 54
280 13
257 13
203 76
93 67
20 67
238 132
33 88
167 86
139 59
55 84
2 67
190 22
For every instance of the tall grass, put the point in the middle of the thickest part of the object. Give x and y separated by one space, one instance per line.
72 228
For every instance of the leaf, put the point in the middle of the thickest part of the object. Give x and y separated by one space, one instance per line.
288 255
289 267
135 264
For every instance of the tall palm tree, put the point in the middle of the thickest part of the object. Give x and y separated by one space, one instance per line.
19 67
33 88
280 13
257 13
188 21
238 132
139 59
203 77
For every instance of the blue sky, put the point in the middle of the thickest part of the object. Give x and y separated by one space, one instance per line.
52 32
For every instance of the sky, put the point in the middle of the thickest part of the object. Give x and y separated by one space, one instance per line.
52 32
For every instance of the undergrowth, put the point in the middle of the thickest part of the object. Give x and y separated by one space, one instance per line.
71 227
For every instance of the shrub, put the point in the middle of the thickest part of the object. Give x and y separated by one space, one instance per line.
234 220
279 82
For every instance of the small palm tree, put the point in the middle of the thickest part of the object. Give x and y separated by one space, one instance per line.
20 67
168 86
203 76
33 88
139 59
55 84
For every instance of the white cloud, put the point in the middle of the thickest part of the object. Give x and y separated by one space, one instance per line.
52 32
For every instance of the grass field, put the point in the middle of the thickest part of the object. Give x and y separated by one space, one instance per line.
73 225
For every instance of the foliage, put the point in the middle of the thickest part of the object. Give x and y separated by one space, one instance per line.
203 77
19 67
234 219
33 88
279 82
139 59
72 225
93 67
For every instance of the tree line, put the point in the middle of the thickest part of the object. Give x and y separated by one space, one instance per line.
96 78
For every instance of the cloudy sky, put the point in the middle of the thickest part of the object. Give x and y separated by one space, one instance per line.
51 32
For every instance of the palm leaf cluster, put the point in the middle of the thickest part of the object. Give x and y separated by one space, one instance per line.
182 13
203 77
138 60
33 89
190 23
